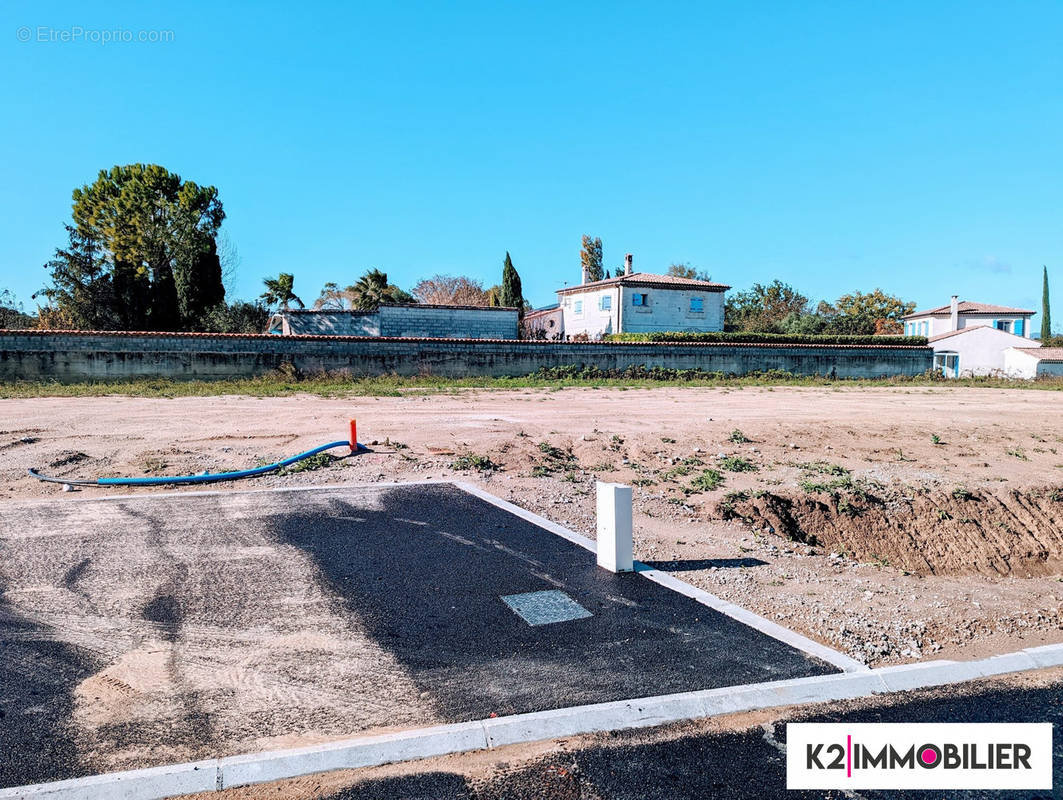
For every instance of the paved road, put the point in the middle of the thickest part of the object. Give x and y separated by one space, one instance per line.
743 765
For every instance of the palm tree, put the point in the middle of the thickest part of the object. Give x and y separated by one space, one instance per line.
367 294
279 291
371 290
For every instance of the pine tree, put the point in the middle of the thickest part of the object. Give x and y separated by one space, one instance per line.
158 233
512 295
1046 310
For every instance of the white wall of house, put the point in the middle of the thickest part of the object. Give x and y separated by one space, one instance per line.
979 350
1018 364
641 309
934 325
593 312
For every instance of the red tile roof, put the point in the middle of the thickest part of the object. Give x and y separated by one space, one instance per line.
1043 353
542 312
969 328
967 307
647 279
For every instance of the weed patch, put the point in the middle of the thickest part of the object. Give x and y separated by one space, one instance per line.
472 461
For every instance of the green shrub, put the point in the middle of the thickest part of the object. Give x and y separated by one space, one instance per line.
550 451
737 464
739 337
707 481
824 468
307 464
812 486
473 461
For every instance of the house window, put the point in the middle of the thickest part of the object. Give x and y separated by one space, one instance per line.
577 307
605 302
697 304
640 299
1002 325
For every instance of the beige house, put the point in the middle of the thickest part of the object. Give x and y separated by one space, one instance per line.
640 302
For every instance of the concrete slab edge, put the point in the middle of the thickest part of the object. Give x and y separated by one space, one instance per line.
156 783
530 516
753 620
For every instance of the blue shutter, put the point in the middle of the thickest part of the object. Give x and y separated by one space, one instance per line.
1020 327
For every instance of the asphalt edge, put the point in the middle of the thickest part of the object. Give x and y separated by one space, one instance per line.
156 783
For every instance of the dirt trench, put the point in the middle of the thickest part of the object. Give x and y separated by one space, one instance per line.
1015 532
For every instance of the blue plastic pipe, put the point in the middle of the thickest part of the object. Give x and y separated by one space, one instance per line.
206 477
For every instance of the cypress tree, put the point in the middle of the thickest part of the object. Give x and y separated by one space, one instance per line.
512 295
1046 310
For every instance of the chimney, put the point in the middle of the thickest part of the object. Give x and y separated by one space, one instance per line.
583 275
627 263
954 313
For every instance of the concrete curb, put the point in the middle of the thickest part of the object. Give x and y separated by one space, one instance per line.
160 782
366 751
137 784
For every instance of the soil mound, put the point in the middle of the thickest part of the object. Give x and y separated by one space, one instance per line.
924 532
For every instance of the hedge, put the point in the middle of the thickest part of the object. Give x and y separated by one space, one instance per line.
765 338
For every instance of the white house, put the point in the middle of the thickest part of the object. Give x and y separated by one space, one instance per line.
639 302
963 313
975 350
971 338
1034 362
543 323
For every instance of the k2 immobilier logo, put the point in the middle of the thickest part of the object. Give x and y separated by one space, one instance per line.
840 755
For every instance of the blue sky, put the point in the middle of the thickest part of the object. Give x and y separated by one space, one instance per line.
837 146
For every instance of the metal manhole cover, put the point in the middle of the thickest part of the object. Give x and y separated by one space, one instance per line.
544 608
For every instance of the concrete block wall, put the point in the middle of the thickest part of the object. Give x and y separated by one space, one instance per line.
423 321
78 356
447 322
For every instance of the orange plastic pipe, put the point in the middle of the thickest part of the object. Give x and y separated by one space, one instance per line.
354 435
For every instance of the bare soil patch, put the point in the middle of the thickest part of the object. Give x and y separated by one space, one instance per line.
1018 531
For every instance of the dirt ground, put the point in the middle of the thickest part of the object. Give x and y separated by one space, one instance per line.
892 524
